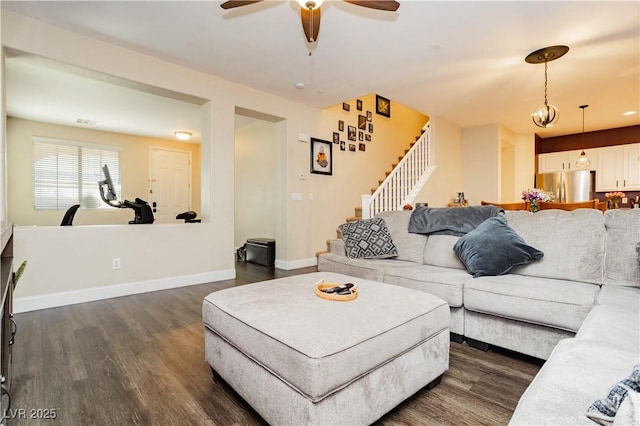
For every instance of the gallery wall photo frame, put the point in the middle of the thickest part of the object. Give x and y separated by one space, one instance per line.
346 106
321 156
383 106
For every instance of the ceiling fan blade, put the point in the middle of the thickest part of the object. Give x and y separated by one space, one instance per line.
237 3
310 23
388 5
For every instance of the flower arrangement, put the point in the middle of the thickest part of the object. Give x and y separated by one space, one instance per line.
614 198
533 196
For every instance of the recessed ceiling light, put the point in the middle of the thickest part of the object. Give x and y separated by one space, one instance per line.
299 86
629 112
182 135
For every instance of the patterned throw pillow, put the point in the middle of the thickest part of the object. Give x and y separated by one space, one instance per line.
603 411
368 239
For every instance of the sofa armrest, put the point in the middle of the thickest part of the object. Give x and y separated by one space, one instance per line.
336 246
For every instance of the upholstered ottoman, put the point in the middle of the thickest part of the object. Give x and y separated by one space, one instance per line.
298 359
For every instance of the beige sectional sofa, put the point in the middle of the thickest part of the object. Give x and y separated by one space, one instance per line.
581 299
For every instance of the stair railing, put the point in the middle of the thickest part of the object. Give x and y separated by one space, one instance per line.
404 182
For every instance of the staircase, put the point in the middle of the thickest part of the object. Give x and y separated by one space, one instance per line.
403 183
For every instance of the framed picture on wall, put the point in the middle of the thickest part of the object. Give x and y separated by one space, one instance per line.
370 127
359 105
343 145
362 122
336 137
352 147
362 147
367 137
369 116
351 133
383 106
321 157
341 125
346 106
360 136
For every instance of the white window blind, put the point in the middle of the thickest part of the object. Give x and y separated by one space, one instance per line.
67 173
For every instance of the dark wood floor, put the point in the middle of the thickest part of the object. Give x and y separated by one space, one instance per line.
140 360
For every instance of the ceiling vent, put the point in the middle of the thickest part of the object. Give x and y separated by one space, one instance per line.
85 121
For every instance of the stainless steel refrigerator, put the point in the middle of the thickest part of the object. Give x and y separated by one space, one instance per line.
567 187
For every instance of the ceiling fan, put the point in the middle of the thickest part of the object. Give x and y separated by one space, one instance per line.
310 11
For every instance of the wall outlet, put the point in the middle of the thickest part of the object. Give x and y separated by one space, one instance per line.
116 263
625 200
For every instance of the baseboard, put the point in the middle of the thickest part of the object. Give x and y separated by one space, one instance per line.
52 300
296 264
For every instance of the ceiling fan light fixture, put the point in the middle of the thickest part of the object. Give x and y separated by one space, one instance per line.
182 135
310 4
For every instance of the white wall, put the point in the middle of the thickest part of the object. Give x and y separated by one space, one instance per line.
524 157
255 180
481 163
447 178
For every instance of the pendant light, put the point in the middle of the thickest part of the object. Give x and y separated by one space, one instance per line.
583 160
546 115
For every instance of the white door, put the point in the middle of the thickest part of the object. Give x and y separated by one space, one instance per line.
170 183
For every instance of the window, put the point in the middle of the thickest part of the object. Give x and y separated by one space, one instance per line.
67 173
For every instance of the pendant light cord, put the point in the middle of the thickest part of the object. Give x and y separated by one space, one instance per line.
545 83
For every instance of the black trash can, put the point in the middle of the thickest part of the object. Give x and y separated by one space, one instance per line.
261 251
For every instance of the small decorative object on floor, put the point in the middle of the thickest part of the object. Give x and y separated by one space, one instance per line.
614 199
533 196
407 207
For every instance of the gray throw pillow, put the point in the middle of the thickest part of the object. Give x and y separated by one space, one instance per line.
368 239
493 248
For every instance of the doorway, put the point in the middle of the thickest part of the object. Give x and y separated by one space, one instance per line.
169 183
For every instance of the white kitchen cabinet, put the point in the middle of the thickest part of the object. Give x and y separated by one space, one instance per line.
618 168
565 161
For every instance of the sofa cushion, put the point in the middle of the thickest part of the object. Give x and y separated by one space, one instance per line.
368 239
445 283
553 303
621 266
576 374
622 297
619 328
493 248
572 242
439 252
370 269
409 246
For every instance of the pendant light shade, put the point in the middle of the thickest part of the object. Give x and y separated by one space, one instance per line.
546 115
583 160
